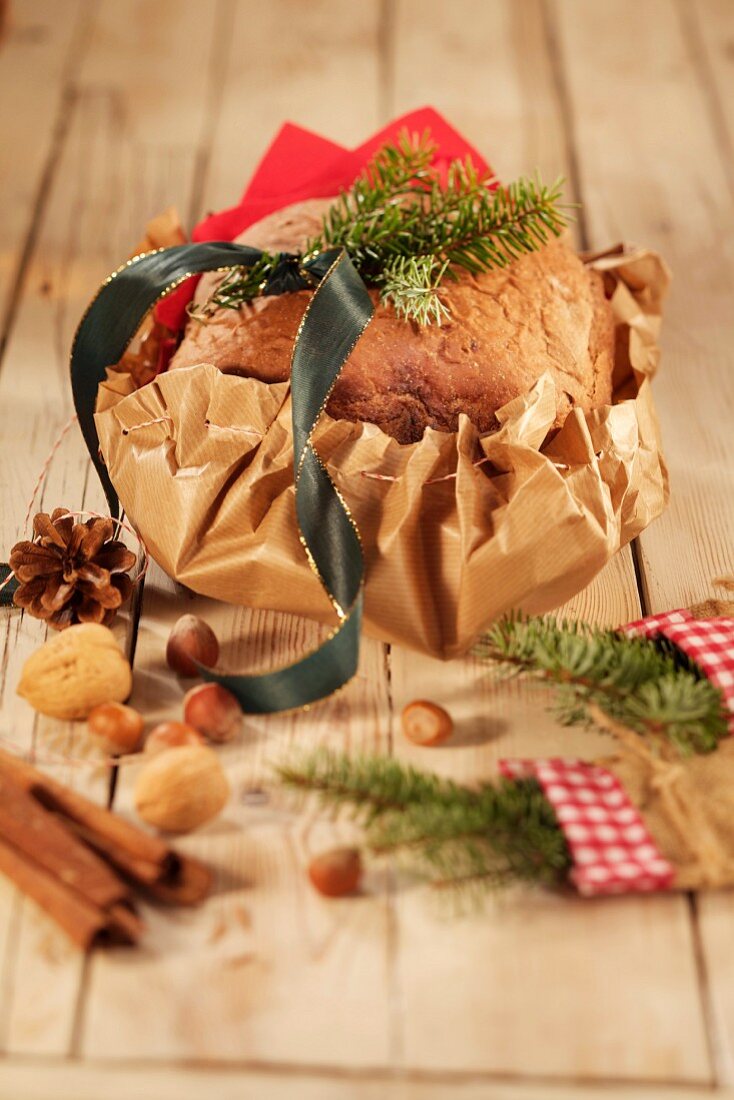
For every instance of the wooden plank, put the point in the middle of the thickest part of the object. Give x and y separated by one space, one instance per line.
653 173
291 984
708 26
92 220
84 1081
267 970
27 431
318 68
45 37
660 167
523 979
345 962
504 101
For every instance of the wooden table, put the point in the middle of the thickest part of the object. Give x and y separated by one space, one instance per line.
113 110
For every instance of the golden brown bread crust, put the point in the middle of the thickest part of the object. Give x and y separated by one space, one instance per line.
546 312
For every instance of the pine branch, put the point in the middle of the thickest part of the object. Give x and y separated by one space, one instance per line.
652 690
406 232
493 835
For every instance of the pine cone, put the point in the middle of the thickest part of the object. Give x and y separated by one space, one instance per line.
72 572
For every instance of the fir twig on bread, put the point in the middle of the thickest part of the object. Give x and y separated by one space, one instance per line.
406 231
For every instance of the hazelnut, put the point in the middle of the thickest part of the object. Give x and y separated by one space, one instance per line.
426 723
117 727
213 711
171 735
336 872
181 789
191 640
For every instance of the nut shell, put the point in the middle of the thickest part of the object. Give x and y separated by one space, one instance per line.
425 723
214 712
336 873
191 640
171 735
181 789
117 728
75 672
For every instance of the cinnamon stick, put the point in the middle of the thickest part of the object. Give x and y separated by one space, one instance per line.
38 837
109 847
144 859
84 922
147 855
191 884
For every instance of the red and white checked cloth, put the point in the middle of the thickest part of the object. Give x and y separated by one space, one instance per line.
612 850
708 642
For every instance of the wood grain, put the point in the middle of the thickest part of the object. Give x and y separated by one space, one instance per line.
45 37
90 1081
93 217
270 990
318 68
267 971
653 172
708 26
660 166
517 960
708 29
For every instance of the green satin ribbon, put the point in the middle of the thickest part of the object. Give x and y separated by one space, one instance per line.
6 592
338 313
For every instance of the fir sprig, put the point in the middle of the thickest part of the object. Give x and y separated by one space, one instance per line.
647 688
400 208
239 285
411 283
487 836
406 231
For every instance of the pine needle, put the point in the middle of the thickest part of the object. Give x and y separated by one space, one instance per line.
489 836
651 688
406 232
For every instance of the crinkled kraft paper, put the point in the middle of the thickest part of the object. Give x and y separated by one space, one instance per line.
457 529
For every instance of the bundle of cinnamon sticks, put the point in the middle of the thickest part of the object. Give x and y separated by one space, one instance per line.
82 863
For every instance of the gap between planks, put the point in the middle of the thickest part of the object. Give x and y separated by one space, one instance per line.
517 1084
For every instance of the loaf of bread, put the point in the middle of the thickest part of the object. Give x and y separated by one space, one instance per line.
545 312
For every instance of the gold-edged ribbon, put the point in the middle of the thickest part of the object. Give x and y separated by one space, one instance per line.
337 315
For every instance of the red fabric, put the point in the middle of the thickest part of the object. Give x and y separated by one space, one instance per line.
707 642
612 851
302 165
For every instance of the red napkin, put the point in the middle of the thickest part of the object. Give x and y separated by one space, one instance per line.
302 165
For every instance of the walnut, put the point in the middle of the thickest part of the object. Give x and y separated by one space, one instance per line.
76 671
181 789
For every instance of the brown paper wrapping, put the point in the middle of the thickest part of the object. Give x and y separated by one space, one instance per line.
457 529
